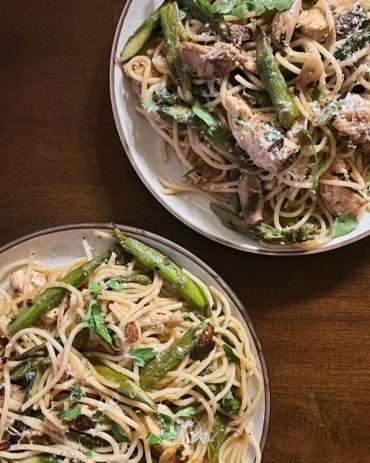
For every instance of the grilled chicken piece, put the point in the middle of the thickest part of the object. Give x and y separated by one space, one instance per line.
240 33
265 145
16 398
353 118
346 13
16 280
339 199
284 24
207 62
313 23
249 187
311 71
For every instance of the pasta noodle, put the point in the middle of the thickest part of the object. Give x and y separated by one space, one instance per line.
74 411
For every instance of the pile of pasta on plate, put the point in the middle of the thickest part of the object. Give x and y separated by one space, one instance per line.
266 106
123 357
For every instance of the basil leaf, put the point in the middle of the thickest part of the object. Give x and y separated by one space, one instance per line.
230 354
76 393
94 288
89 453
344 224
115 283
94 320
70 414
153 439
241 8
140 355
117 434
170 431
188 411
206 117
150 106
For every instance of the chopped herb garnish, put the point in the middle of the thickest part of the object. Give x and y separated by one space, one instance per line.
76 393
70 414
205 116
95 288
89 453
115 283
241 8
150 106
118 436
153 439
94 320
344 224
188 411
230 354
316 94
140 355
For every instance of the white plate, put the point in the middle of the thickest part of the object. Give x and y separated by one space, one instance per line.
58 246
142 145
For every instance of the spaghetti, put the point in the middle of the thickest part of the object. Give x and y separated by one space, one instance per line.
304 197
76 390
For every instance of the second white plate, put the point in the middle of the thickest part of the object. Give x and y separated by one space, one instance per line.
143 148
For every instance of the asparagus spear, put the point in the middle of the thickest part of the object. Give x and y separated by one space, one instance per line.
166 268
353 44
168 360
125 385
202 10
38 351
216 438
52 297
230 404
141 36
274 82
174 32
184 115
25 371
35 381
139 278
264 231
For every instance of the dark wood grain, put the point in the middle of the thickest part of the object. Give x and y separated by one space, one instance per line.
62 161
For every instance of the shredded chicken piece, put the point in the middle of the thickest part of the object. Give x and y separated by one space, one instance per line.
160 321
284 24
353 118
207 62
339 199
266 146
16 398
311 71
313 23
249 187
240 33
16 280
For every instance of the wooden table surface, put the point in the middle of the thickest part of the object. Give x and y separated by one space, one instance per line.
62 162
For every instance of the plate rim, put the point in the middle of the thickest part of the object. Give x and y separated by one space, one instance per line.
232 244
205 267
